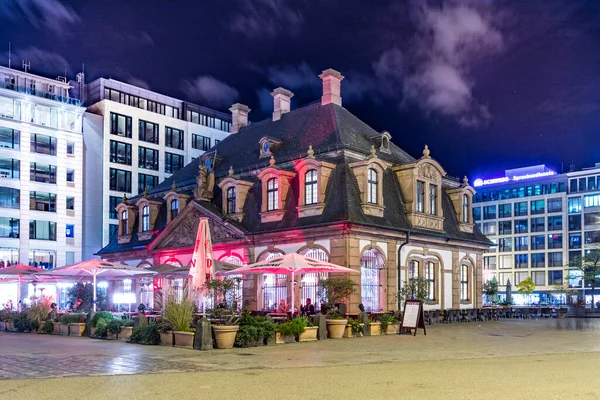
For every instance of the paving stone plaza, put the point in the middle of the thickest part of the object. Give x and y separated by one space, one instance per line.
505 355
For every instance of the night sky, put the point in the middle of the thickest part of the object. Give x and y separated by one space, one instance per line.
487 85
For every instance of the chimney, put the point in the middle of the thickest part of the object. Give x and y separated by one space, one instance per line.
332 82
239 116
281 102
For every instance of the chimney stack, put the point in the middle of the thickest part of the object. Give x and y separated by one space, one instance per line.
239 116
332 82
281 102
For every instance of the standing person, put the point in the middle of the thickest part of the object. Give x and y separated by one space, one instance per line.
308 308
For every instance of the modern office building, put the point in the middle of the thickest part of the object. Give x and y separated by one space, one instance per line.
134 139
539 221
40 131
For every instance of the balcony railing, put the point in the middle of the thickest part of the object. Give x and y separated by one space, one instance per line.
40 93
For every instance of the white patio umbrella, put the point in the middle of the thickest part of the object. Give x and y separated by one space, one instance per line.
18 272
201 265
290 264
94 268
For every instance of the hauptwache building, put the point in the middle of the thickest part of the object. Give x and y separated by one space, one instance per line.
320 182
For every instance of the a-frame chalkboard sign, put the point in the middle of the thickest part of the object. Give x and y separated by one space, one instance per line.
413 316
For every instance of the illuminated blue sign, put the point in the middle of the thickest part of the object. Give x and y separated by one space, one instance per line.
515 178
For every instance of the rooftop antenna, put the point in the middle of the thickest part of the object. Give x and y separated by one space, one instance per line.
26 66
8 54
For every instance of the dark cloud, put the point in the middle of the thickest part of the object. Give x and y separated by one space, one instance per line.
293 76
48 14
266 19
209 91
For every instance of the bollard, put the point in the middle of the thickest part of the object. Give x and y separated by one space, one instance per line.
320 321
204 338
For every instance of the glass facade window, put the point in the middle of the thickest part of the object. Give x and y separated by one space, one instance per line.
520 208
505 210
554 205
591 218
521 261
539 278
70 231
173 163
555 223
506 262
489 228
538 242
120 125
9 197
10 138
519 277
70 148
120 153
208 120
555 259
10 108
10 168
42 230
9 227
146 181
310 187
505 244
477 213
538 260
521 243
555 241
44 173
433 199
231 200
120 180
575 222
574 240
592 237
572 185
174 138
45 259
489 262
43 144
582 184
70 175
555 278
200 142
272 194
42 201
521 226
148 131
113 229
148 158
537 207
70 203
574 205
489 212
592 200
504 277
372 182
591 183
113 202
505 227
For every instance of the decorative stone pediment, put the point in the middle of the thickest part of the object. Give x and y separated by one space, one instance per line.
240 189
371 206
462 201
126 227
323 172
283 180
181 233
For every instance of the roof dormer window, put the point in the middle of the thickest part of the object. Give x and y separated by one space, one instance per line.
272 194
372 186
231 200
145 219
311 189
234 192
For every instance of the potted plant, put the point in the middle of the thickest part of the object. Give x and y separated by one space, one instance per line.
75 324
4 316
374 327
223 319
165 330
334 290
254 331
389 324
288 331
100 318
126 329
38 313
64 322
179 315
354 328
22 323
310 331
145 333
46 327
8 320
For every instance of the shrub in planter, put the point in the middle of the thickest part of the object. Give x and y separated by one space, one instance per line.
38 313
355 328
290 329
126 329
179 315
335 290
22 323
387 320
145 334
101 315
113 327
75 323
310 331
254 331
47 327
165 330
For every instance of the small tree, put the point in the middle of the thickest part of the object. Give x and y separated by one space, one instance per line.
526 287
85 292
490 288
414 289
334 289
588 268
219 290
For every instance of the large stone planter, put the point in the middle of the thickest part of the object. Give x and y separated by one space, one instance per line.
92 331
56 328
8 326
283 339
76 329
349 334
336 328
166 339
125 333
309 334
64 330
225 335
392 329
375 328
183 339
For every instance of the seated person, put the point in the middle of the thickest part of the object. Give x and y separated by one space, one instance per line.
283 308
308 309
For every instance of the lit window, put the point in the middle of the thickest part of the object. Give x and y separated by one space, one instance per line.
231 200
372 186
465 208
310 187
420 196
464 282
430 279
124 219
433 199
272 194
70 175
174 208
145 219
413 270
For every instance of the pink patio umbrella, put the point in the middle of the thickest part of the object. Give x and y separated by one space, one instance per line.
19 271
201 265
93 268
291 264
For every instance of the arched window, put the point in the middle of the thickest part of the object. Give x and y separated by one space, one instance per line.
433 199
174 208
124 215
310 187
231 200
430 279
145 219
272 194
310 282
464 282
237 293
413 269
372 186
274 286
465 208
371 264
420 205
